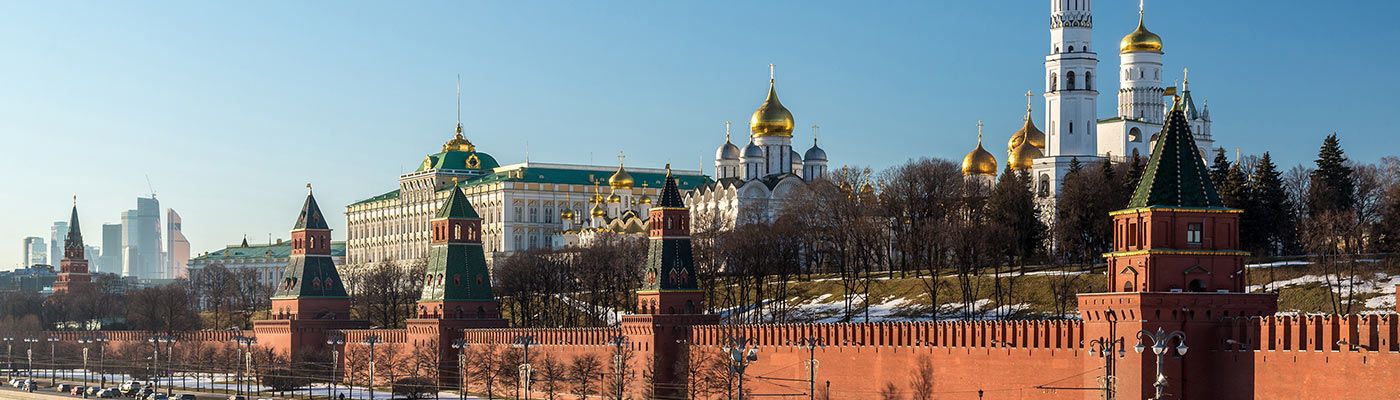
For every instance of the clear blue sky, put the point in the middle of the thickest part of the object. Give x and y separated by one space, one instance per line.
232 107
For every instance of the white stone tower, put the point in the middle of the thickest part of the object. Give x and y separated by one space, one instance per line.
1071 94
1141 108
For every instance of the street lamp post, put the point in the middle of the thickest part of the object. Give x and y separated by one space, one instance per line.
155 361
618 359
9 365
335 342
247 357
811 343
1160 340
84 341
525 342
741 351
53 368
370 341
461 346
101 360
29 356
170 364
1105 348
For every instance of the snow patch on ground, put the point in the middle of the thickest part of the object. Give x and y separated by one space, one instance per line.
1379 285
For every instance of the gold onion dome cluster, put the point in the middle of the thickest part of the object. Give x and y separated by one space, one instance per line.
1023 156
979 161
599 211
771 118
567 214
1027 132
620 179
1140 40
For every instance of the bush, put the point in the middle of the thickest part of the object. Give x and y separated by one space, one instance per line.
416 387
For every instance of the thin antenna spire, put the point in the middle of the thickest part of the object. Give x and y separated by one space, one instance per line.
1140 8
1237 155
75 200
459 104
770 72
308 188
527 151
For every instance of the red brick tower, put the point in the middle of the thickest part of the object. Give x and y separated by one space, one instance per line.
457 291
73 270
311 297
1176 266
670 298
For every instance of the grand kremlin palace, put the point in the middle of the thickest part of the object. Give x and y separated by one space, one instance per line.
522 206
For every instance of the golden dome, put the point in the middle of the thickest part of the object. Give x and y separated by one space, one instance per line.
1023 156
979 161
598 211
620 179
567 214
1140 39
1027 132
614 198
458 143
771 118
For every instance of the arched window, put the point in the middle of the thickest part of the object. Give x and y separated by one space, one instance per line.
1128 286
1157 73
1044 185
1142 73
1071 49
1054 83
1125 74
1071 127
1088 80
456 231
1069 80
1135 135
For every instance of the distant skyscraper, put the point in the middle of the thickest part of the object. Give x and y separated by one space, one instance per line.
111 261
176 246
141 247
57 233
34 252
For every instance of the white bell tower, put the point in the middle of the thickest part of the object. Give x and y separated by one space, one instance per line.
1071 95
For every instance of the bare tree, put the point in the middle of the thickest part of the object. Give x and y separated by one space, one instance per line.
921 379
583 369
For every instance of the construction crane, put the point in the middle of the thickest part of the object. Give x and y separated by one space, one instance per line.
150 186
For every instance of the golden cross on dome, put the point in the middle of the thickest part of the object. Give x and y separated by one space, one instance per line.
770 71
620 156
1139 7
726 131
979 132
1029 95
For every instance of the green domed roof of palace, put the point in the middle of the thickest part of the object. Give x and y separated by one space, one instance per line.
463 160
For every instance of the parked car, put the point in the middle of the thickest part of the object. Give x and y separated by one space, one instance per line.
145 391
107 394
185 396
92 390
129 385
76 390
63 388
236 397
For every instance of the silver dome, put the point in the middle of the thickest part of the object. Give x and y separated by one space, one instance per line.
753 150
815 154
727 152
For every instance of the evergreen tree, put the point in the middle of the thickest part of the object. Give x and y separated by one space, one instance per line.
1234 190
1011 207
1220 169
1267 226
1074 165
1333 186
1135 169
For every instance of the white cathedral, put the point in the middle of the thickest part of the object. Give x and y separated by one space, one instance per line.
1071 100
754 181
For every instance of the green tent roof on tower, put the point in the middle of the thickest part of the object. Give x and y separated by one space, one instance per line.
74 233
457 206
311 216
1176 175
